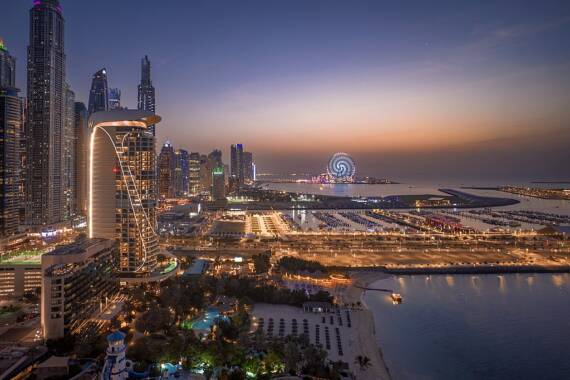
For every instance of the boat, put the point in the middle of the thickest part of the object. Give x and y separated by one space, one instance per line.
396 298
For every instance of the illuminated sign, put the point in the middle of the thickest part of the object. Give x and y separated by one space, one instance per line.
48 233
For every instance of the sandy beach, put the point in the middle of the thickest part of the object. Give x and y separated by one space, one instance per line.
366 330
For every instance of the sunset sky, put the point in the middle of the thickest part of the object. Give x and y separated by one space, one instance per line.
411 89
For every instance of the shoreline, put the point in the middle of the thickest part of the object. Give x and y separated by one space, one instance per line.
452 269
378 369
497 269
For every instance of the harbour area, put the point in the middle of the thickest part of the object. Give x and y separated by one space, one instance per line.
264 198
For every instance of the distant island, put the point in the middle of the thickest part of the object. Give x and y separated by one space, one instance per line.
552 182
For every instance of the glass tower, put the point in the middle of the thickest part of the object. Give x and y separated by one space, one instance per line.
114 99
10 130
46 112
99 94
146 100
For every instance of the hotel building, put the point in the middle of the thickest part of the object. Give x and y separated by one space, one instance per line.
77 281
20 275
122 190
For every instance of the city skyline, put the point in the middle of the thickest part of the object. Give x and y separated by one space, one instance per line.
412 162
450 91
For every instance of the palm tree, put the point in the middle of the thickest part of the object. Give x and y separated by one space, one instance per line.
363 362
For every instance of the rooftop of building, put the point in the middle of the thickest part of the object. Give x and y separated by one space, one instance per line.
116 336
123 117
76 247
55 362
24 257
51 3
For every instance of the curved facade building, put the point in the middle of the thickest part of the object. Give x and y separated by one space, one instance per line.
122 186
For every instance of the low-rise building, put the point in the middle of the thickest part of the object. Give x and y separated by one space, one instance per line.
54 367
20 273
77 281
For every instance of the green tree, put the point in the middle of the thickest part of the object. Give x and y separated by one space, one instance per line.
154 320
291 356
363 362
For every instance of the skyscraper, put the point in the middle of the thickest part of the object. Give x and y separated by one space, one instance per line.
218 184
7 67
68 152
46 111
207 165
122 191
166 167
237 168
23 160
10 130
99 94
215 158
81 158
248 166
146 100
182 173
114 99
205 174
233 161
194 173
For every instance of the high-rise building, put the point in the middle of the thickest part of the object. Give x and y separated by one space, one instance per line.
234 160
237 168
205 174
166 168
46 112
10 158
7 67
99 94
146 99
218 184
248 166
122 186
207 164
68 152
114 99
81 167
194 173
215 158
77 280
23 160
182 173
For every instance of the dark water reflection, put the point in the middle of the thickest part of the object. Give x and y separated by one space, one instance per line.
514 326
